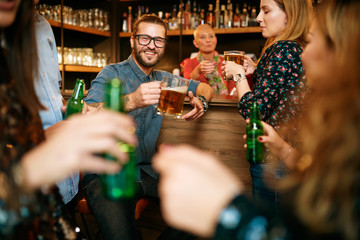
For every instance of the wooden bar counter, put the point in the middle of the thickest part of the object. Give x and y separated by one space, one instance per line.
220 131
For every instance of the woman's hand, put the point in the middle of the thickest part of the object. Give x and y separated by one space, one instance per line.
206 67
249 65
277 146
230 69
76 145
194 187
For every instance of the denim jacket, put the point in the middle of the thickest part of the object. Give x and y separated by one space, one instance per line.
147 120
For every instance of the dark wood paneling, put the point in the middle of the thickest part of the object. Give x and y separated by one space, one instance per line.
220 131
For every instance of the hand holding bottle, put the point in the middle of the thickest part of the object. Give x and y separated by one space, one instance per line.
276 145
75 147
255 149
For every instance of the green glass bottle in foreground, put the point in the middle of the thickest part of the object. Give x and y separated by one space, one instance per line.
120 185
255 149
75 103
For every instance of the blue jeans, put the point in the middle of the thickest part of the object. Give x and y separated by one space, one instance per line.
265 184
116 219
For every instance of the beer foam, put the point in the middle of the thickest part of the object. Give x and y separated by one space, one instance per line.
182 89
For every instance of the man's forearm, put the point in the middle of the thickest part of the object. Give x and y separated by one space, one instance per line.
205 90
195 74
129 103
97 105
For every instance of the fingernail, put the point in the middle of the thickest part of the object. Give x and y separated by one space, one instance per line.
131 130
165 147
260 138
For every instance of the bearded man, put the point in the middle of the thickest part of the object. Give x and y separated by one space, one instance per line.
117 219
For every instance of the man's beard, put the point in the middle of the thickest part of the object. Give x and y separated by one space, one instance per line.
139 59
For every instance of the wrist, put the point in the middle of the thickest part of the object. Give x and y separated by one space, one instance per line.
23 178
239 78
204 102
199 69
286 152
229 219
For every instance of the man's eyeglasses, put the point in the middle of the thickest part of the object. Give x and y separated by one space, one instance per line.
145 40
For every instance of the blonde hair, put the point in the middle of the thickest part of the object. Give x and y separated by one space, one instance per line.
328 189
299 14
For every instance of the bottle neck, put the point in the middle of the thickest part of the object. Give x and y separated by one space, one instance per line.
78 90
114 96
254 113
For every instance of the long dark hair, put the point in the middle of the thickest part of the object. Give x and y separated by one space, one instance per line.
22 55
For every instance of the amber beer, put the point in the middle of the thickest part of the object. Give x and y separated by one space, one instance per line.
171 101
172 96
234 56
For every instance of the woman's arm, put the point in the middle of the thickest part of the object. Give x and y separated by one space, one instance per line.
278 84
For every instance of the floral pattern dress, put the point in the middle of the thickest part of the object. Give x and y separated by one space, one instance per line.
215 79
279 84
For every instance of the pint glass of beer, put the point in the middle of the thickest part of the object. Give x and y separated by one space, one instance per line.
173 92
234 56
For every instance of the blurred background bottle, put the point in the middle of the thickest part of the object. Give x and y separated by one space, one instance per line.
255 149
210 18
75 103
122 184
129 19
244 16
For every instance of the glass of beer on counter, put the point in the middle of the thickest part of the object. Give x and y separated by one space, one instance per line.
173 92
234 56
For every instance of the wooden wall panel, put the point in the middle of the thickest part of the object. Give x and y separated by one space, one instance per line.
220 131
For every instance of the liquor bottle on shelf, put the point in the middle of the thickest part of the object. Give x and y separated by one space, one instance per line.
253 15
237 19
129 19
173 24
230 18
244 16
202 19
75 103
210 16
167 19
187 16
217 15
161 14
194 22
139 13
226 16
222 16
180 16
120 185
124 22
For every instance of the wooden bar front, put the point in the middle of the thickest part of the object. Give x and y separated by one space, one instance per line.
220 131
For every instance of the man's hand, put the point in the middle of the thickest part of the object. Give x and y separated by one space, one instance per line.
147 94
198 110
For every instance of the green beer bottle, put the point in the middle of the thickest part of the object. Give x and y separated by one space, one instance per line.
255 149
120 185
75 103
